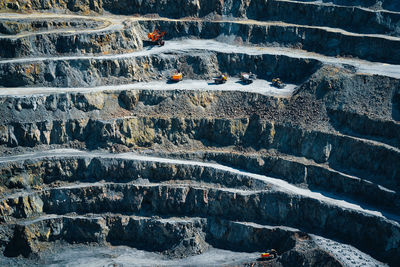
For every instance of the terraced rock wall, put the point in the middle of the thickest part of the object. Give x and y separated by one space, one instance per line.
84 6
95 72
180 200
286 11
98 150
375 4
44 44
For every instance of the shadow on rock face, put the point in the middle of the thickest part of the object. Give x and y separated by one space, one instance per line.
19 244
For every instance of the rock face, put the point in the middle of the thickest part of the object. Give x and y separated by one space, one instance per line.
314 39
266 206
145 132
97 149
104 42
188 234
12 27
95 72
351 19
83 6
385 4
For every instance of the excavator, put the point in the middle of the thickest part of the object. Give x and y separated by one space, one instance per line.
269 255
247 78
157 37
176 77
276 82
220 79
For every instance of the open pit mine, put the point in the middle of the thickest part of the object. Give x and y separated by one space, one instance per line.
201 132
